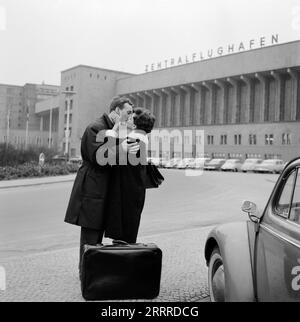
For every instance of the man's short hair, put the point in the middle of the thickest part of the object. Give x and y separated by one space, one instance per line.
143 119
119 102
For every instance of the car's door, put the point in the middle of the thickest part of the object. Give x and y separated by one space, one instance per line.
277 251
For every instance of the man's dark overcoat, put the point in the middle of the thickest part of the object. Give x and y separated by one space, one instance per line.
89 195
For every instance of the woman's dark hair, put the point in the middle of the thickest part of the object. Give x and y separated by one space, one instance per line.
143 119
119 102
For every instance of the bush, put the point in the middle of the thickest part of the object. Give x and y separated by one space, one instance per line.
32 169
11 156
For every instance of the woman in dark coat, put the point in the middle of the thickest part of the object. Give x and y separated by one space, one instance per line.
127 185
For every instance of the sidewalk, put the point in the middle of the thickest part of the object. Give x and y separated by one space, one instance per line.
4 184
53 275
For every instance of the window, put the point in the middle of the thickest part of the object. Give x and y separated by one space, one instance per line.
91 75
295 208
237 139
66 105
252 139
210 139
286 139
71 104
283 206
223 139
269 139
72 88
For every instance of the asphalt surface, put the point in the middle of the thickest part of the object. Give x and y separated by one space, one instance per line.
40 252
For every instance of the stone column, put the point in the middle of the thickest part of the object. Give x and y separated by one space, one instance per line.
234 106
139 100
177 106
155 107
279 103
249 101
198 104
160 109
295 89
132 97
187 105
146 97
42 124
167 109
220 115
209 111
263 97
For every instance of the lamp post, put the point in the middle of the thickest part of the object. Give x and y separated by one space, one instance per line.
8 126
27 125
68 95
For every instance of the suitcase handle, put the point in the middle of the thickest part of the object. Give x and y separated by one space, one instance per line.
120 242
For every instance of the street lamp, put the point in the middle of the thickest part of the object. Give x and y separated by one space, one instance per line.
8 125
68 95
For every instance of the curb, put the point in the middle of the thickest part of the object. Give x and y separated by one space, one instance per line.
18 185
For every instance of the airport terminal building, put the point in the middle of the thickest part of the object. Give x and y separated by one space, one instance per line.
247 103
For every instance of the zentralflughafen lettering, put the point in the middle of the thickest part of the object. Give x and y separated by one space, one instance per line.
211 53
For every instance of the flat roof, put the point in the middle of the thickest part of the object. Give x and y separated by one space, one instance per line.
98 68
279 56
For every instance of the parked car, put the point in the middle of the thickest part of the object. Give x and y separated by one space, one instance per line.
250 164
155 161
259 259
214 164
184 163
232 165
172 163
270 165
163 162
76 160
198 163
59 159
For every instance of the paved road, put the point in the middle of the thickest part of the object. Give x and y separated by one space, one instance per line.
40 252
31 218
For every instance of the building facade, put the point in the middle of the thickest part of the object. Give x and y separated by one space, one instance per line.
20 123
247 104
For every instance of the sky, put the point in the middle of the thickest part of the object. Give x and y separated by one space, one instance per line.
40 38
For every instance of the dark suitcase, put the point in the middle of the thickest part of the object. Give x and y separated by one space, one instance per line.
121 271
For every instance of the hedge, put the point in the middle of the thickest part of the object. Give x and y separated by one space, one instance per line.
11 156
32 169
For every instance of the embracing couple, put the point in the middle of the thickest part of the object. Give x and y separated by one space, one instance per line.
108 195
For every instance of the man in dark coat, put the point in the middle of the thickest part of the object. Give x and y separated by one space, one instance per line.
89 195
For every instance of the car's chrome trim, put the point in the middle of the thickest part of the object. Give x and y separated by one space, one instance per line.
271 231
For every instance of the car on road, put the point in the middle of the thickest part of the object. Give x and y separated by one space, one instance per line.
75 161
269 166
259 259
172 163
184 163
198 163
155 161
163 162
250 164
214 164
232 165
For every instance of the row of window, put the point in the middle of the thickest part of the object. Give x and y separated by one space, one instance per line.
73 76
252 139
